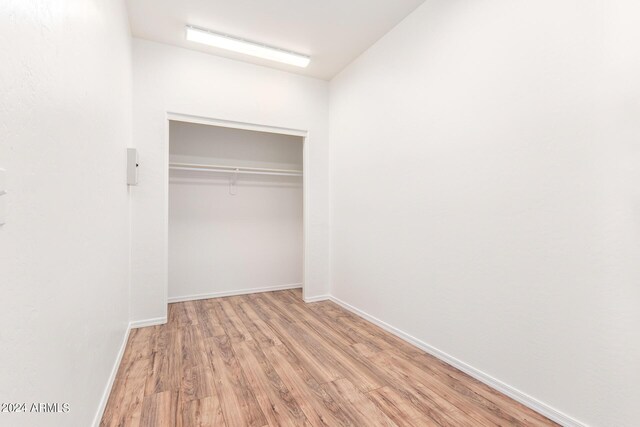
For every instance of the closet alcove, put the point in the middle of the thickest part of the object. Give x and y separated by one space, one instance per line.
235 211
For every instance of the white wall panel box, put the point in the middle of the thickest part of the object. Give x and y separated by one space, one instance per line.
132 166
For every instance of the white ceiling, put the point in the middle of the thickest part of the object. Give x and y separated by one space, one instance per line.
332 32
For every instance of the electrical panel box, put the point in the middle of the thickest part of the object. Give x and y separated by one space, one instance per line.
132 166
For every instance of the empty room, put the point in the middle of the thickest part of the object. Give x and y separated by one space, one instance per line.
319 213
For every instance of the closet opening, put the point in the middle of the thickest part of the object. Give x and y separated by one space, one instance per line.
235 209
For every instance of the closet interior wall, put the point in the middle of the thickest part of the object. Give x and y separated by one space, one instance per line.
233 233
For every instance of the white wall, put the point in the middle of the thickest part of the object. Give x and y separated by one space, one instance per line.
223 243
170 79
486 193
65 95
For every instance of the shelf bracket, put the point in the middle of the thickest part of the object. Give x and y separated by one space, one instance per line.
232 183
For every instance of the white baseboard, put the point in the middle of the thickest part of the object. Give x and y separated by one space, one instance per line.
317 298
112 378
233 293
540 407
148 322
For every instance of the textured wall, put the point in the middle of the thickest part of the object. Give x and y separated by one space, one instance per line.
65 94
486 197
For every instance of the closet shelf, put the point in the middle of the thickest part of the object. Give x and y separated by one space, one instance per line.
233 169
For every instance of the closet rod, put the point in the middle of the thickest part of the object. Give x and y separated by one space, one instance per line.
233 169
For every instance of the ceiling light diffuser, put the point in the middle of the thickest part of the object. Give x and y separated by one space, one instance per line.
226 42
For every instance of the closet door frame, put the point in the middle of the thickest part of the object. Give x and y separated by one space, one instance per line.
187 118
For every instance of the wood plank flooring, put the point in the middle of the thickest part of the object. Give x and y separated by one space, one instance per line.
269 359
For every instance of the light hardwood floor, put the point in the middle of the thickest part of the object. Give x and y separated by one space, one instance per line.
269 359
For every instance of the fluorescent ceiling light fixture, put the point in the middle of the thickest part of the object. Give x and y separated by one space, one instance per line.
224 41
